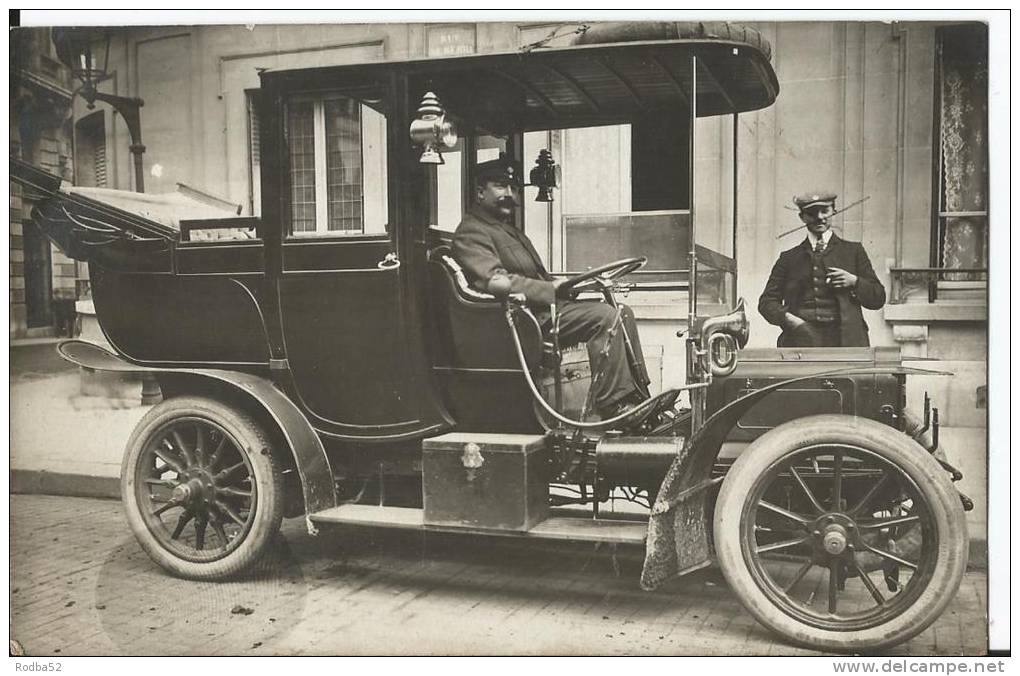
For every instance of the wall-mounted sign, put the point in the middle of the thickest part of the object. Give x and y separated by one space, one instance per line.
450 40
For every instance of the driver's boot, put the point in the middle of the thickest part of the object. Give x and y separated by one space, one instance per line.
635 355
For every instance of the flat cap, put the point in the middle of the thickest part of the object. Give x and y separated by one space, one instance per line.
815 198
501 169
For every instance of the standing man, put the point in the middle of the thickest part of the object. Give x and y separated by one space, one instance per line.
817 289
491 249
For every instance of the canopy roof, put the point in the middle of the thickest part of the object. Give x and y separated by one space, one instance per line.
608 73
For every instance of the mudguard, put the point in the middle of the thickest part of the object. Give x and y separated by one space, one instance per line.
678 530
310 457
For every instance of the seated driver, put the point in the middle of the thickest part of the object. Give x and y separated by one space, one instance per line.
489 247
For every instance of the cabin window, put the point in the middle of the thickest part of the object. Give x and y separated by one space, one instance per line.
960 224
452 188
336 153
624 193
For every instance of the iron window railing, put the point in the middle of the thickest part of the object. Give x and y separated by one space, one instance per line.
908 283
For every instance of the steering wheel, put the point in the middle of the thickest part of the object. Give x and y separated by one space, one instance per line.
600 277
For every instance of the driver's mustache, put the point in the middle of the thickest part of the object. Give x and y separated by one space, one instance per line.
507 201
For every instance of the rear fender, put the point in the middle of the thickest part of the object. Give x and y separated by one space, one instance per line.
678 531
306 447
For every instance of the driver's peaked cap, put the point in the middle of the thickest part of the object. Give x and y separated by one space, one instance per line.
501 169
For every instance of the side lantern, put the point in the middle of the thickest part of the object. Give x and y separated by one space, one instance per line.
545 176
432 131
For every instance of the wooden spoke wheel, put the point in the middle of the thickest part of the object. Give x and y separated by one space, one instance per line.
201 488
840 533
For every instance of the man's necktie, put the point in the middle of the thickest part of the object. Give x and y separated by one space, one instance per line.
820 246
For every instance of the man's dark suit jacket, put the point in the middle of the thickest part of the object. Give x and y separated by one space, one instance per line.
485 247
791 278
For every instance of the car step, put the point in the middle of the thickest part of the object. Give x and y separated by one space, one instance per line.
553 528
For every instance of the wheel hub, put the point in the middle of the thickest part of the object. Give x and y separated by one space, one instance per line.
835 533
182 493
835 539
195 488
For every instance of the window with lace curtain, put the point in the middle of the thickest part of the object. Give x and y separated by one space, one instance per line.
960 239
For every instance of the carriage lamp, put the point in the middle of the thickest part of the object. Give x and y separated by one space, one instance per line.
544 175
77 48
432 130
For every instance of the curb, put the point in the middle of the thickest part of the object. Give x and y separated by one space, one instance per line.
41 482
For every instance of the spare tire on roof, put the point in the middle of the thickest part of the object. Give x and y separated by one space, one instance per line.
637 31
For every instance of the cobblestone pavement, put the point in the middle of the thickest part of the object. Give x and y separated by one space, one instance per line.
81 585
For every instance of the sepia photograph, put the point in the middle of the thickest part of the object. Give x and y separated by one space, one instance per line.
523 335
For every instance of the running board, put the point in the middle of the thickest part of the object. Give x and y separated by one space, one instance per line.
553 528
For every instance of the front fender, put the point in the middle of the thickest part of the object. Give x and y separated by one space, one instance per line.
678 538
306 447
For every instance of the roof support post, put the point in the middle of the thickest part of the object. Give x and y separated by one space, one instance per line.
694 373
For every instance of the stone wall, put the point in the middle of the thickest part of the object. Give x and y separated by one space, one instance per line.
17 263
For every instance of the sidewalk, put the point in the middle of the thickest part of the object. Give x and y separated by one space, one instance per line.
64 441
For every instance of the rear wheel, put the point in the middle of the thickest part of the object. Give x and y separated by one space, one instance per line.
201 488
840 533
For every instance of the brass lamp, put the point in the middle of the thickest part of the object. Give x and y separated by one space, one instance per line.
432 130
544 175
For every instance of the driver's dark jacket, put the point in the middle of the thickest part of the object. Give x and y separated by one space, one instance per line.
486 246
791 278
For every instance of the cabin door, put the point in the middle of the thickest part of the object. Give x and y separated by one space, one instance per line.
342 286
346 337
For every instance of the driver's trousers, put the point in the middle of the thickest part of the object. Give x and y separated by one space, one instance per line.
592 322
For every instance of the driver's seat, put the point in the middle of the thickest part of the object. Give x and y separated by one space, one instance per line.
472 335
472 331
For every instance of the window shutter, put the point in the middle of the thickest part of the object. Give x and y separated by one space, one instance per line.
99 158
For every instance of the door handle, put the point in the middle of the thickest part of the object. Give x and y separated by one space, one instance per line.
390 262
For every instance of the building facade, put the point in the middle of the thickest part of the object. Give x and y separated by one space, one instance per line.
42 279
895 113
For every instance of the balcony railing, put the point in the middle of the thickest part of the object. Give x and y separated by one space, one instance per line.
909 283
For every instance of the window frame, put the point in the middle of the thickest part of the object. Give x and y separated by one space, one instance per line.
357 93
255 143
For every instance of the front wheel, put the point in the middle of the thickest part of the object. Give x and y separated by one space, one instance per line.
201 488
840 533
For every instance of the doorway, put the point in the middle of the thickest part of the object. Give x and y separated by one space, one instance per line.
38 277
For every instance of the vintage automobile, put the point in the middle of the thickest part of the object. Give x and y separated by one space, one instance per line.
330 359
